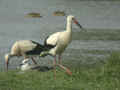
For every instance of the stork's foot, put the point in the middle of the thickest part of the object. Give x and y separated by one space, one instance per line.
66 69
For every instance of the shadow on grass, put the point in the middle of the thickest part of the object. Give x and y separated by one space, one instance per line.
42 68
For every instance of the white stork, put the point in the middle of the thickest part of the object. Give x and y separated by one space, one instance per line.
25 65
57 42
25 48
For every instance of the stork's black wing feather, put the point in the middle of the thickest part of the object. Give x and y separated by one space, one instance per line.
45 41
37 50
48 46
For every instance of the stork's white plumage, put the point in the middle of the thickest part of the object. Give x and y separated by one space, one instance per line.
58 41
25 48
26 65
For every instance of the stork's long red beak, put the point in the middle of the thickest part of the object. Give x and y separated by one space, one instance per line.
77 23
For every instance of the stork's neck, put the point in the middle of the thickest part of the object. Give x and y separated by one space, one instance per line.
69 25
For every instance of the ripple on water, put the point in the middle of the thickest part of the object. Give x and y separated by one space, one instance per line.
95 44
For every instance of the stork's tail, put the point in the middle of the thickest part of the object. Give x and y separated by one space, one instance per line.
44 53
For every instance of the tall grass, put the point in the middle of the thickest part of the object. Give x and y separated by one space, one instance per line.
104 77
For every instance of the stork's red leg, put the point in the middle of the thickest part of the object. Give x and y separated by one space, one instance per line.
34 61
59 59
54 67
63 67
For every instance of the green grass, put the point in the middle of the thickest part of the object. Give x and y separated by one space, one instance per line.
103 77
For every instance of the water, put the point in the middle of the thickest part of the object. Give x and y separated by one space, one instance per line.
91 14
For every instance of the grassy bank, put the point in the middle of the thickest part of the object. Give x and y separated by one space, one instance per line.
103 77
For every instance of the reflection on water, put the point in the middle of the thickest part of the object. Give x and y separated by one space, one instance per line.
91 14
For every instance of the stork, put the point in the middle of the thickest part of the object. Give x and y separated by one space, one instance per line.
25 48
25 65
57 43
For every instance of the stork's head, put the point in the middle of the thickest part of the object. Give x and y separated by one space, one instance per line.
7 57
72 18
25 61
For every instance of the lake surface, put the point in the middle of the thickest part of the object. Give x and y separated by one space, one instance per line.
91 14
